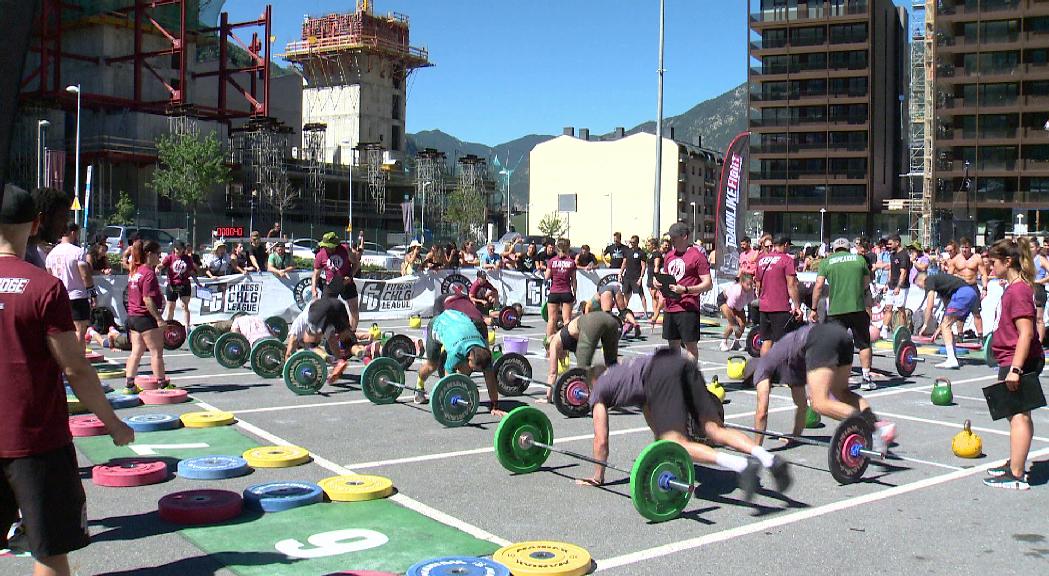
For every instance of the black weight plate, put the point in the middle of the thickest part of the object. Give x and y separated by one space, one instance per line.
846 464
278 327
572 393
382 380
907 359
754 341
508 365
304 373
202 341
400 348
231 350
174 335
267 358
454 400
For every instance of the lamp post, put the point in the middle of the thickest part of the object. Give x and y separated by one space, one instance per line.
41 127
695 222
76 170
823 212
349 171
659 128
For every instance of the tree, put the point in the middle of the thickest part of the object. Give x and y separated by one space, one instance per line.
282 196
465 210
123 211
188 167
552 225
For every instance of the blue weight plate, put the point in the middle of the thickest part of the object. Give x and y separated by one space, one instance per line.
458 566
152 422
213 467
106 388
117 400
281 496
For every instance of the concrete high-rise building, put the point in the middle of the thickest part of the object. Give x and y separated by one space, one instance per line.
992 109
826 79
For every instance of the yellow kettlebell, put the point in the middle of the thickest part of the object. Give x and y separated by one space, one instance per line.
375 332
563 364
491 335
415 321
736 367
716 389
966 444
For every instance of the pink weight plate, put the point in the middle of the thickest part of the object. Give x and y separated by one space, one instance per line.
163 396
130 473
86 425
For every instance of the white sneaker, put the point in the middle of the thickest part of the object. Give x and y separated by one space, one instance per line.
884 435
724 346
867 384
948 364
420 396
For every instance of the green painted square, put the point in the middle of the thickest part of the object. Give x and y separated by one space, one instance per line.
385 536
225 440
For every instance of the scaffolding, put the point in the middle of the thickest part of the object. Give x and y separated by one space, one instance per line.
376 173
313 138
429 183
472 188
919 205
260 147
928 132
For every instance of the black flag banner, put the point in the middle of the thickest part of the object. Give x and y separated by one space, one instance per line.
730 208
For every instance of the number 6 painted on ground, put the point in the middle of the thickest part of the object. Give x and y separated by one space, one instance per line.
332 543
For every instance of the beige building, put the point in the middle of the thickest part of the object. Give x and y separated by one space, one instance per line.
612 181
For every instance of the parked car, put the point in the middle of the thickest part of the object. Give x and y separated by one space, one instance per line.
303 248
117 237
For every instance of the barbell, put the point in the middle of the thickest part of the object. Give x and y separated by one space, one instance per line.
571 391
453 401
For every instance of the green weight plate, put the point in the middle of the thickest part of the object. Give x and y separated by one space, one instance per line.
305 372
524 420
988 354
231 350
454 400
378 378
546 315
202 341
506 367
572 394
267 358
900 335
660 460
400 348
846 464
278 327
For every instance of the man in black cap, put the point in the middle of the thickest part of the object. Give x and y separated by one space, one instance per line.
39 475
691 272
777 292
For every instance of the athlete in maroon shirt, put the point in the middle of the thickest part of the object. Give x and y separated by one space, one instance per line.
144 323
179 268
691 272
560 271
336 260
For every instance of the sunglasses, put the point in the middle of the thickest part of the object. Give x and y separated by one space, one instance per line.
767 246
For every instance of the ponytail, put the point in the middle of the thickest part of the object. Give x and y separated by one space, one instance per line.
1026 260
138 255
1019 251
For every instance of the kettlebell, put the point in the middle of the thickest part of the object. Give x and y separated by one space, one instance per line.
491 335
737 367
387 335
812 418
415 321
497 352
563 365
941 392
716 389
375 332
966 444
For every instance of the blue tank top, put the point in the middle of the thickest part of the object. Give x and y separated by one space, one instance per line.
1040 271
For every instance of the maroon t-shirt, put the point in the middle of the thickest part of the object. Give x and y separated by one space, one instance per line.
773 269
562 271
1017 302
335 262
480 287
178 269
141 284
686 267
464 305
34 417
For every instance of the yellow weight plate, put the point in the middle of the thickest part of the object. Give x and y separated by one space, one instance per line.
75 405
207 419
883 345
276 456
540 558
108 373
356 487
928 350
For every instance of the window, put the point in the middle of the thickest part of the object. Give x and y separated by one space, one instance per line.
808 36
395 103
855 141
847 194
395 141
848 113
853 87
848 33
773 39
852 168
808 141
997 158
851 60
998 125
808 114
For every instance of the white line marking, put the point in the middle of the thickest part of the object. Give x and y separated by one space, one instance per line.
973 398
400 498
954 425
724 535
928 462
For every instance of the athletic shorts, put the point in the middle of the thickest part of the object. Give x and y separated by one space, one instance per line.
773 325
828 346
896 300
963 302
347 292
1039 296
173 293
1035 363
631 285
859 323
81 309
434 351
603 330
676 393
46 489
682 326
560 298
141 324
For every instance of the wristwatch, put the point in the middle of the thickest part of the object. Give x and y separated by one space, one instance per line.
1015 370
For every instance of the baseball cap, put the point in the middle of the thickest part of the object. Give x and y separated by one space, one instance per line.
18 207
329 240
178 245
781 240
678 229
840 244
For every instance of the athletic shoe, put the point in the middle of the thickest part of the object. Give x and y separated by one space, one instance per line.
999 471
131 390
748 479
420 396
168 385
867 384
781 473
724 346
949 364
884 435
1008 481
736 345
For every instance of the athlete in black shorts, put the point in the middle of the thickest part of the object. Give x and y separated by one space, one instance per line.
582 336
633 269
670 389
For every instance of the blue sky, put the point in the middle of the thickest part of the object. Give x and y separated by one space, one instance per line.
507 68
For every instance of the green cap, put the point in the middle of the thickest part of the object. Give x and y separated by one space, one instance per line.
329 240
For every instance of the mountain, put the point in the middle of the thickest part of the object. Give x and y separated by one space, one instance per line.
717 121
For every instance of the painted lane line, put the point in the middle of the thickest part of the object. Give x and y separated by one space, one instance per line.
399 497
896 456
954 425
757 527
957 396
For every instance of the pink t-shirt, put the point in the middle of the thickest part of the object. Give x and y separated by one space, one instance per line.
748 262
63 263
736 298
252 327
562 271
334 262
1017 302
686 267
178 268
141 284
773 269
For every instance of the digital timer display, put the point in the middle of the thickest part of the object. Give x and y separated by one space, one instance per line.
229 231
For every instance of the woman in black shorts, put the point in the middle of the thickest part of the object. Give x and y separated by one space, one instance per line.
560 271
655 262
145 325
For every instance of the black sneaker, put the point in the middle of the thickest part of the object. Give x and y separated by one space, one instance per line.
780 470
999 471
748 479
1008 481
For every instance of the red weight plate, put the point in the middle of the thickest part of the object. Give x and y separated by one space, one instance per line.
147 382
87 425
163 396
130 473
578 393
94 357
200 506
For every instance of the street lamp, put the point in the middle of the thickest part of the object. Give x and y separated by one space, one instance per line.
695 222
76 170
349 171
507 173
41 127
823 212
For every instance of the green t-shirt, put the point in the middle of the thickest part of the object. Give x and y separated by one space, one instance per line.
845 273
280 263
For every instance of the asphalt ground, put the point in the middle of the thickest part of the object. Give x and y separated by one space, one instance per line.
926 513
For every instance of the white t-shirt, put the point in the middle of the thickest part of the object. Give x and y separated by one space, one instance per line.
252 327
63 263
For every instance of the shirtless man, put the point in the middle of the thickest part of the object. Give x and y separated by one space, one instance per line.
967 265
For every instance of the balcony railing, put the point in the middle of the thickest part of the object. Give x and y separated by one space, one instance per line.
783 14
